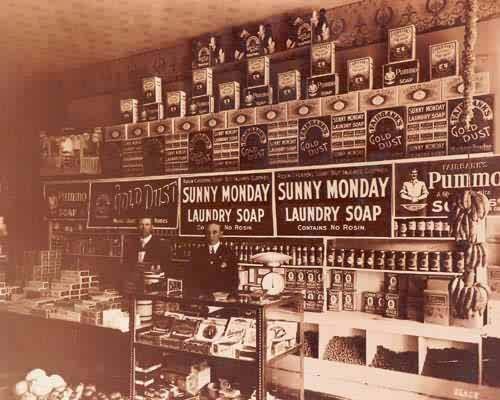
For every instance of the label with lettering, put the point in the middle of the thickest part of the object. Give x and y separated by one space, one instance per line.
121 204
153 150
386 133
340 104
241 202
322 86
349 138
314 140
226 149
253 147
478 137
334 201
66 200
402 44
443 59
283 144
425 188
401 73
360 74
200 151
427 130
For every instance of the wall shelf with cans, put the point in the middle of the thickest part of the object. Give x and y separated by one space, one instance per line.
425 273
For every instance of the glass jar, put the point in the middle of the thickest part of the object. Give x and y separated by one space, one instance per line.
435 261
370 259
423 261
360 259
380 260
411 260
401 261
390 260
339 257
447 262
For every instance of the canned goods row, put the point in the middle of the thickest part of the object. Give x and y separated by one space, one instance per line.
421 228
434 261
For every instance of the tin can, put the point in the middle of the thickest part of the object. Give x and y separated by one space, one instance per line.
411 260
403 229
380 260
429 228
421 228
423 261
360 259
350 261
438 228
330 258
370 259
401 261
435 261
412 228
339 257
390 260
447 262
459 261
446 229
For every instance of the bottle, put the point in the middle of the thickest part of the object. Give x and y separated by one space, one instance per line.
401 261
339 257
370 259
380 260
294 255
447 262
396 228
423 261
438 228
403 229
390 260
411 260
446 229
435 261
299 256
350 259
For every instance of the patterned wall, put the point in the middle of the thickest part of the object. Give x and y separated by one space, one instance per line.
353 25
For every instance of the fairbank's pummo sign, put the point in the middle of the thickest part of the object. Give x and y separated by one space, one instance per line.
121 204
242 203
424 188
349 201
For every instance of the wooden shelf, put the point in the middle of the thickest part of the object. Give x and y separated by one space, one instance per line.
376 323
90 255
427 239
430 273
245 264
324 373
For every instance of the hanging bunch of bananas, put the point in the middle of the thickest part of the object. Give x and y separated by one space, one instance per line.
468 211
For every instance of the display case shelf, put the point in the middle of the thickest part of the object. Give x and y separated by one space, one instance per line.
246 264
430 273
90 255
376 323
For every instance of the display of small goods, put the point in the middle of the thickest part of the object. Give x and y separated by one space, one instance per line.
378 98
129 111
289 85
229 96
254 147
237 118
151 90
347 103
346 349
396 260
461 364
299 31
151 112
176 152
401 44
233 337
73 152
202 82
360 74
444 59
401 73
86 244
322 86
422 227
207 51
226 151
176 104
453 86
258 96
322 59
214 120
348 138
254 41
404 361
132 158
37 385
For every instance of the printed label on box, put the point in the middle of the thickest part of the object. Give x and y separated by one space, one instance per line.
200 151
349 138
386 133
314 140
403 73
478 138
341 104
402 44
253 147
425 92
322 58
322 86
378 98
443 59
226 149
360 74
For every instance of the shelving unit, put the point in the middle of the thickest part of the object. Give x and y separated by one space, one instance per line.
280 371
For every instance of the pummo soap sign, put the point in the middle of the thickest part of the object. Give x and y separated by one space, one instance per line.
423 189
351 201
121 204
241 203
66 200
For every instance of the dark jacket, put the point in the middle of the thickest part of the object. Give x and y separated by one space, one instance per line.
157 252
208 273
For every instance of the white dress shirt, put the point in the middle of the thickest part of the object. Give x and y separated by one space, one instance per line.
142 252
212 249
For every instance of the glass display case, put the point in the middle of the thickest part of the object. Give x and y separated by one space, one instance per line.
245 348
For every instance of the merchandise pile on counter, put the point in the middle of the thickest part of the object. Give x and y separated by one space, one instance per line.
451 363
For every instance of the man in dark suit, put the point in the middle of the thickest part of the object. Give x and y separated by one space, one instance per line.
213 268
145 249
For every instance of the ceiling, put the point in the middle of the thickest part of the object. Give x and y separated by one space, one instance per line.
42 36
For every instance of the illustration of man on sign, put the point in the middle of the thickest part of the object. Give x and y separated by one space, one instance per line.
415 191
